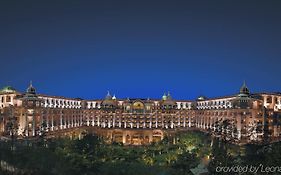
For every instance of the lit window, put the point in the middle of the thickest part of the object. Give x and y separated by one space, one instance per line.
8 99
269 100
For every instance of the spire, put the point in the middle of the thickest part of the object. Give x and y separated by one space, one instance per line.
31 89
244 83
244 89
169 97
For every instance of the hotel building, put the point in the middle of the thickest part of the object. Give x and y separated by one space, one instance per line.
241 118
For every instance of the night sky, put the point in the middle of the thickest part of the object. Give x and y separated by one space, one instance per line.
141 48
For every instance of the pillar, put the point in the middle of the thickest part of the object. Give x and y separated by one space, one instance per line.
93 121
47 119
33 124
61 127
52 122
150 137
239 118
184 121
124 137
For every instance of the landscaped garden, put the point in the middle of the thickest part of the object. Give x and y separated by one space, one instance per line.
190 152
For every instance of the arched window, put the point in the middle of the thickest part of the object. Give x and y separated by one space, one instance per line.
138 107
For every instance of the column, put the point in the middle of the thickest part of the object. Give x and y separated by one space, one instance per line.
239 118
98 120
88 119
68 123
75 119
203 121
210 122
124 137
172 122
33 124
113 124
93 120
150 137
65 121
47 119
156 122
72 119
52 122
214 121
61 127
26 124
184 120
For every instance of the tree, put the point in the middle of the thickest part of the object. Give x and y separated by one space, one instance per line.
219 157
185 162
11 125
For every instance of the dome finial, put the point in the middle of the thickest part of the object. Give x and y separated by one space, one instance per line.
114 97
201 98
164 97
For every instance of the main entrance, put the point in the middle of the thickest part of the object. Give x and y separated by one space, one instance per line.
131 136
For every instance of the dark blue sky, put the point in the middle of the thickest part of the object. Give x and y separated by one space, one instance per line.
141 48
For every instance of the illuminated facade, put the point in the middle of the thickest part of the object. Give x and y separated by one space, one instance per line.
241 118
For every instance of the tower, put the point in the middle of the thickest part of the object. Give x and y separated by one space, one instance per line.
32 118
244 91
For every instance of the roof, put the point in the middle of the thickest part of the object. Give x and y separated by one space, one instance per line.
8 89
220 97
267 93
59 97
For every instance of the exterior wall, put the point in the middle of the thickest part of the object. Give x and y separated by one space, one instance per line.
240 119
272 101
8 99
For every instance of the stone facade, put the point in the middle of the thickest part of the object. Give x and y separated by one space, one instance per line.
241 118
